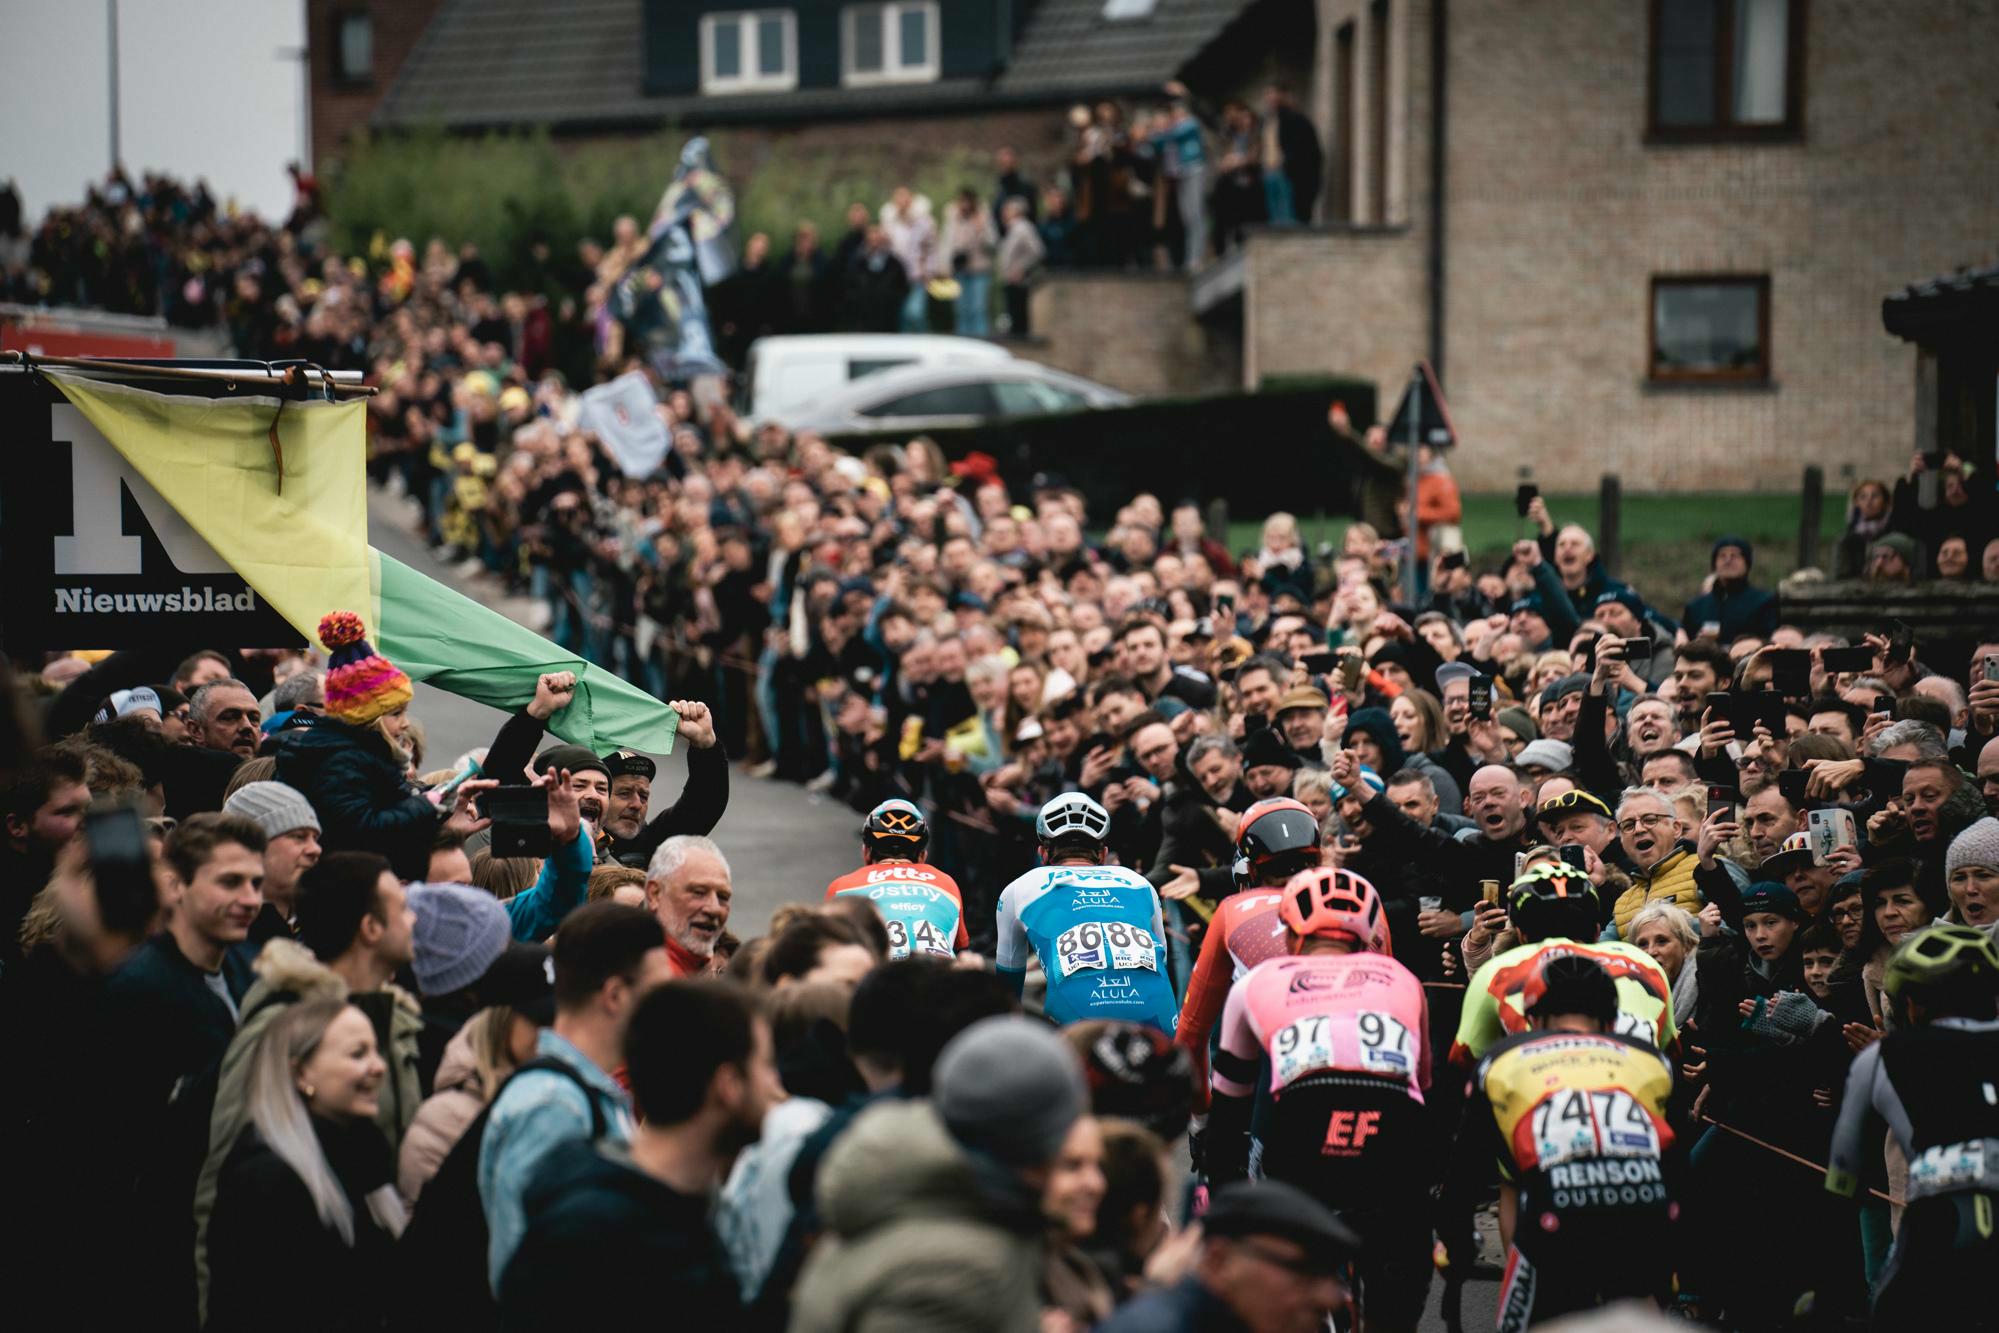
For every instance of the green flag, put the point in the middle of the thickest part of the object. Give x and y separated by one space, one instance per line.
446 638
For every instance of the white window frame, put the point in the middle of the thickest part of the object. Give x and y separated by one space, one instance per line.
750 79
892 70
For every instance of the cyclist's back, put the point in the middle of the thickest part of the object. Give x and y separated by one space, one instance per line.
921 906
1936 1085
1275 839
1575 1114
1098 932
1319 1082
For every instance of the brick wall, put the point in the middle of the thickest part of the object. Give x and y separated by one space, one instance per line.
1558 214
1131 331
340 109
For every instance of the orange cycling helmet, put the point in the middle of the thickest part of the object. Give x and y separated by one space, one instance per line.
1335 903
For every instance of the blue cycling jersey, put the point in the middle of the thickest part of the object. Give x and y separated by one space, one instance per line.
1101 941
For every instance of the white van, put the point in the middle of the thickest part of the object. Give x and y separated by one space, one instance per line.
786 375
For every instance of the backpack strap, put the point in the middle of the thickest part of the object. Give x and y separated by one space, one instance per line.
555 1065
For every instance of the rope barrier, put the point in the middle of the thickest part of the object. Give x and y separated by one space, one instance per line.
1788 1155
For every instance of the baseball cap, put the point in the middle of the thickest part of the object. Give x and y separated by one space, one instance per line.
523 979
630 764
1794 853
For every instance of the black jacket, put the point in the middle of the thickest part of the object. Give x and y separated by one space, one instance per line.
272 1262
362 797
600 1229
1192 835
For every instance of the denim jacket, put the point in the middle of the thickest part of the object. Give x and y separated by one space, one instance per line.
536 1113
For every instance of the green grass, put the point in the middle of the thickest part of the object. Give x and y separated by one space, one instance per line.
1666 537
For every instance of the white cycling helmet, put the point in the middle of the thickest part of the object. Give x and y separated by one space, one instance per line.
1070 815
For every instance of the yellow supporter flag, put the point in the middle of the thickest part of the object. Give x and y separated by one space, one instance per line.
303 547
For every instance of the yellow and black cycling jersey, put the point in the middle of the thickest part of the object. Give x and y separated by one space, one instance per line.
1577 1120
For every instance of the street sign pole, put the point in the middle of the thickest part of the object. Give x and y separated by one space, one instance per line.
1409 573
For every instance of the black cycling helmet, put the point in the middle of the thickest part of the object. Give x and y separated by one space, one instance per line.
1574 983
1274 840
895 828
1554 900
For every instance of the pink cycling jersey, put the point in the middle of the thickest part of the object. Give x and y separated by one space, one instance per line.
1360 1013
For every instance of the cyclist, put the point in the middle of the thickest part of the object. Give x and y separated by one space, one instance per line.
1575 1114
1935 1080
1096 928
1275 839
1319 1082
1554 907
920 904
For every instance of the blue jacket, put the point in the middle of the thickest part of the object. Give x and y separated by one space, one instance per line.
559 890
1743 609
361 794
537 1112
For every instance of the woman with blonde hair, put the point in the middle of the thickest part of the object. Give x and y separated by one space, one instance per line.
306 1212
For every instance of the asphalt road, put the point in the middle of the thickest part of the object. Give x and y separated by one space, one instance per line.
783 845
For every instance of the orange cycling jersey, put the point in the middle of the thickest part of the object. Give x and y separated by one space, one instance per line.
1245 931
919 904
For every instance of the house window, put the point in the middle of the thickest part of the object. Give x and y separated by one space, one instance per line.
354 47
750 52
1711 329
892 43
1727 69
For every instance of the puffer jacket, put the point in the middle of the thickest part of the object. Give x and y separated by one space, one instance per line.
919 1235
461 1093
359 791
1671 880
287 973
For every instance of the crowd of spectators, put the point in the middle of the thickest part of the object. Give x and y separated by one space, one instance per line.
890 624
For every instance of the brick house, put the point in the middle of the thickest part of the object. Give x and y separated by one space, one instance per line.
356 49
1657 235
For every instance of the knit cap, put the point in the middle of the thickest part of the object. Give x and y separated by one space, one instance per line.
273 807
1555 756
1519 722
460 931
1739 543
1010 1088
1769 896
1978 845
361 684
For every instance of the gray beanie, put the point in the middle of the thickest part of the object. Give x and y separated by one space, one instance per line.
1010 1088
1978 845
460 930
273 807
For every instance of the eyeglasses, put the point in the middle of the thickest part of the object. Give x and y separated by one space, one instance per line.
1849 913
1637 822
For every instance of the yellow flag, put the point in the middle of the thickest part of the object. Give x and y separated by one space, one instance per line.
305 548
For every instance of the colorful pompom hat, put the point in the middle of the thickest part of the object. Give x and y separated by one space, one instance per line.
361 684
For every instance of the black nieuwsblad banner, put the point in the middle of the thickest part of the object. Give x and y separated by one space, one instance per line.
92 557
